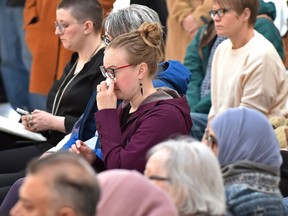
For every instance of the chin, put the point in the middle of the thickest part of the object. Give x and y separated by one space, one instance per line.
66 45
119 96
220 33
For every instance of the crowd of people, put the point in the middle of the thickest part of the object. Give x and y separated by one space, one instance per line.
143 123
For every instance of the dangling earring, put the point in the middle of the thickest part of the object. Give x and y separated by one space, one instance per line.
141 88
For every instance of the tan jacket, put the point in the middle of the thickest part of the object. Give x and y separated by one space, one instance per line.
177 39
48 55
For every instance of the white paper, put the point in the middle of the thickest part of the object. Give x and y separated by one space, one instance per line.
16 128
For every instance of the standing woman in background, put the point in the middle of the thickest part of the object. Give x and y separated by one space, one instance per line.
107 6
184 19
15 57
49 57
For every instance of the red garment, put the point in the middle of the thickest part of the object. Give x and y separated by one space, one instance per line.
155 120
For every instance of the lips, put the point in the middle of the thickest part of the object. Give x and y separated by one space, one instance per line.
218 26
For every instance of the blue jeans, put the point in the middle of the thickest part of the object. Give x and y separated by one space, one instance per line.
15 57
16 60
3 98
243 201
285 202
199 121
37 101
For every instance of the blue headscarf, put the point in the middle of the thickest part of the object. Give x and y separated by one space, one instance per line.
244 134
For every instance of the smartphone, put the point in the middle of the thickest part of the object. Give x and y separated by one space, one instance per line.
22 112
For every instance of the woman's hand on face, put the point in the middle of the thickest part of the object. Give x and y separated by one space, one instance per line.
106 98
38 120
83 150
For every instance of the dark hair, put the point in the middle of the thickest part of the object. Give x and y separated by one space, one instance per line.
84 10
208 35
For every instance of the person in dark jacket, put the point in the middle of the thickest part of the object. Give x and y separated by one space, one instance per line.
69 95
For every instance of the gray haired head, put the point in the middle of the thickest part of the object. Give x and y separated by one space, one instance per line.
196 183
128 19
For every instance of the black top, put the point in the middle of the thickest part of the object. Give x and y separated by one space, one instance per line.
77 93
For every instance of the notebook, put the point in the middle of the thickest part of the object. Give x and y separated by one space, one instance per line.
16 128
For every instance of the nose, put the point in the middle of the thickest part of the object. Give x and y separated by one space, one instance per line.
216 17
57 31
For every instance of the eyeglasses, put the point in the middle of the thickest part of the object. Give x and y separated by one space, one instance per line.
111 72
220 12
106 39
210 138
62 26
158 178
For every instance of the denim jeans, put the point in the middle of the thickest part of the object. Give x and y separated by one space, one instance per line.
199 121
243 201
285 202
3 97
16 60
15 57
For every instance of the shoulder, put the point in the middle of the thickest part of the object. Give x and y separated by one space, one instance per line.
167 108
222 49
95 62
260 39
263 48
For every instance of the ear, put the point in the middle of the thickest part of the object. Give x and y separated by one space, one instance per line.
66 211
215 149
143 70
89 27
246 14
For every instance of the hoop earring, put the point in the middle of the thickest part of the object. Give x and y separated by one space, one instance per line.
141 88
